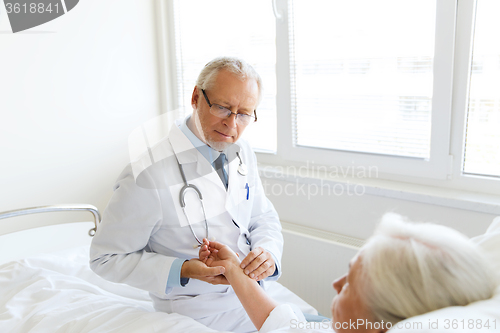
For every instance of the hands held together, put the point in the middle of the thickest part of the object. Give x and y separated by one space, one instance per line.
219 260
258 263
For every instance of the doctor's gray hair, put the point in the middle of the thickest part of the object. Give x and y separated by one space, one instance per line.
237 66
410 269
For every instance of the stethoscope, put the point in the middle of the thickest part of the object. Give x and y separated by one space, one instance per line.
242 170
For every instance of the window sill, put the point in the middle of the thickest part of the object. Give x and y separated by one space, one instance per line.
459 199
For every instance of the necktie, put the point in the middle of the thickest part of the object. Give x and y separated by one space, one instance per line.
219 167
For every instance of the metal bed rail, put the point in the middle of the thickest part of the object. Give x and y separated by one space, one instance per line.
56 208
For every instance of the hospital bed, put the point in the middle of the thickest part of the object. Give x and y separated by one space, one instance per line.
54 290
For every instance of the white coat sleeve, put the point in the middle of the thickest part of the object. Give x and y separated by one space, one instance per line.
119 250
265 226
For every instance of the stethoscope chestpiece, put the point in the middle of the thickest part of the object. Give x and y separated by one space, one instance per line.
242 168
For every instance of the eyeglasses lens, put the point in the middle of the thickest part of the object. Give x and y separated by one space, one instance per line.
222 112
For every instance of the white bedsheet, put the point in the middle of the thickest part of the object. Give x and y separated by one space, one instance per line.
59 293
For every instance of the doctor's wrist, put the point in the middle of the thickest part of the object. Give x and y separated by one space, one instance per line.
183 270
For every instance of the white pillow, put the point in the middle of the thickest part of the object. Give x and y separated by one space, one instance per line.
490 243
482 316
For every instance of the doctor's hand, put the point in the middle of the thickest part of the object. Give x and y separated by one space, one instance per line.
258 264
197 269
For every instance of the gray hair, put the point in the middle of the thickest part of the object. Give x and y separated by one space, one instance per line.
413 268
237 66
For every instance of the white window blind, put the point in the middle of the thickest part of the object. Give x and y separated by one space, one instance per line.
362 75
482 144
246 29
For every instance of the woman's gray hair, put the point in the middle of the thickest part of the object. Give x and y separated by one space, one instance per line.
237 66
413 268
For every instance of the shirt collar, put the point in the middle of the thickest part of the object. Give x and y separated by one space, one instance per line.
208 152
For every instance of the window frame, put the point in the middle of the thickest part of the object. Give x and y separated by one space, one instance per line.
437 166
466 13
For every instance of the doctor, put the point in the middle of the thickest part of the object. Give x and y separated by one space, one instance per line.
147 240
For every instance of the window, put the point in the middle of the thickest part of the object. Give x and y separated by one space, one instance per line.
367 86
207 29
360 84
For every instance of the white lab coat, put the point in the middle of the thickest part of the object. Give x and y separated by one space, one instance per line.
143 229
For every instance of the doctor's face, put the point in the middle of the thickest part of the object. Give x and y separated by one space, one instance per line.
349 306
239 96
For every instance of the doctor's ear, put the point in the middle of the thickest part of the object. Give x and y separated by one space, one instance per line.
195 97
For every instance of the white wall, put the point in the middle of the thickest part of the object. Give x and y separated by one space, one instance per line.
72 90
357 215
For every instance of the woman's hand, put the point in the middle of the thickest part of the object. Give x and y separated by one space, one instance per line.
217 254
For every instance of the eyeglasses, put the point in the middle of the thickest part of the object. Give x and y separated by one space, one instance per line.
221 112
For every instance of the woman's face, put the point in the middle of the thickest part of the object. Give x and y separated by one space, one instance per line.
349 310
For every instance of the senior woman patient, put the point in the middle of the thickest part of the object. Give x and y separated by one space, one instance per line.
403 270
